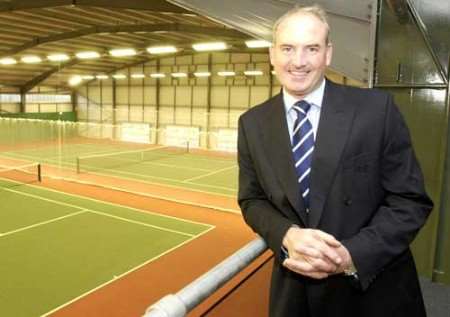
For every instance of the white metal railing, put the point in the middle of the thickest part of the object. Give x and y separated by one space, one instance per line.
179 304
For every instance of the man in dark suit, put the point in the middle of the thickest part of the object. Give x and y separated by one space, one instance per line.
329 179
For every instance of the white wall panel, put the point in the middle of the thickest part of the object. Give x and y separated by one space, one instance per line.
239 97
32 108
94 112
150 114
200 96
150 95
218 118
94 93
122 95
64 107
183 96
11 107
167 96
136 114
107 113
183 116
219 97
166 115
136 95
121 113
107 95
200 118
46 107
258 95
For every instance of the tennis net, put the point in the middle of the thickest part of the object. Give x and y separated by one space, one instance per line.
99 162
17 175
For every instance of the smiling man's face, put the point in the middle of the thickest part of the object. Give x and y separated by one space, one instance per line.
300 53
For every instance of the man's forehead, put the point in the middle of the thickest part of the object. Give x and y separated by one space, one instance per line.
301 27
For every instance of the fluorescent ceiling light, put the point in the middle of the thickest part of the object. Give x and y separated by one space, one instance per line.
157 75
87 77
58 57
102 77
226 73
257 43
253 73
75 80
137 76
123 52
87 55
8 61
161 49
202 74
179 75
31 59
119 76
213 46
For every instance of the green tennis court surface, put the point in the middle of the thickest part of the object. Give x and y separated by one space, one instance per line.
174 167
55 247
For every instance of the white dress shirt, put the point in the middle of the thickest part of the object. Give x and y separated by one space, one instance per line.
314 99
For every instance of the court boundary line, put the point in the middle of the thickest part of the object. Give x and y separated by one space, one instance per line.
145 211
189 180
146 181
7 233
101 213
154 196
115 278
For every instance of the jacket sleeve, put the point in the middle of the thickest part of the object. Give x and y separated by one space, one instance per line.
259 213
404 208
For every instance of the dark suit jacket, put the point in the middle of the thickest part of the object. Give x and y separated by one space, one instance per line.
366 189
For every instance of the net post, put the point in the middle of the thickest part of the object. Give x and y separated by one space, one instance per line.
187 146
78 165
39 172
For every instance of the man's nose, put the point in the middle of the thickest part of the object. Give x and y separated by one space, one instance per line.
299 58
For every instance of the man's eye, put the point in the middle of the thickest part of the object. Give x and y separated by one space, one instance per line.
286 49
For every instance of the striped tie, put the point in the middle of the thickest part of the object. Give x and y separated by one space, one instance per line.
302 148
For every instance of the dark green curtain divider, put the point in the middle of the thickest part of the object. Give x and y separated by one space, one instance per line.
65 116
408 67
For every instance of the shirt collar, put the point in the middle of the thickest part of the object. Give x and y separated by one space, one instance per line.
314 98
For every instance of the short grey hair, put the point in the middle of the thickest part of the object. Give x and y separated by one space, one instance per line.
315 10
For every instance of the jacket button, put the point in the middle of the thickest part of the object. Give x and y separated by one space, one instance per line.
347 201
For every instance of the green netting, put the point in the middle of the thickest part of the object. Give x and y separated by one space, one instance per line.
101 162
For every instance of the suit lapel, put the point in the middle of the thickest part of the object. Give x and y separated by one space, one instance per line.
276 139
336 118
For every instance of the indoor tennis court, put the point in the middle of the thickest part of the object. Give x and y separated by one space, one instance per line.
77 232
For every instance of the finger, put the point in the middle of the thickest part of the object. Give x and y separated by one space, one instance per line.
329 253
305 250
329 239
304 269
322 265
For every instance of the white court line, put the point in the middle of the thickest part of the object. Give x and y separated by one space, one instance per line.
169 185
115 204
139 223
147 180
101 213
147 176
42 223
208 174
125 273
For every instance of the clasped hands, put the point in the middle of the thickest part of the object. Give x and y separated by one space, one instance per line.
314 253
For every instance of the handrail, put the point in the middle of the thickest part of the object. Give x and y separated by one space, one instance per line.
179 304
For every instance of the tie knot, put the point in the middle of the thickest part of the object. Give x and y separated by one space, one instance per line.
302 106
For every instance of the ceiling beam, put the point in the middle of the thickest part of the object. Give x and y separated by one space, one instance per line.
127 28
154 5
40 78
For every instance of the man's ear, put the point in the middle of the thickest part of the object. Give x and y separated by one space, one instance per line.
329 53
